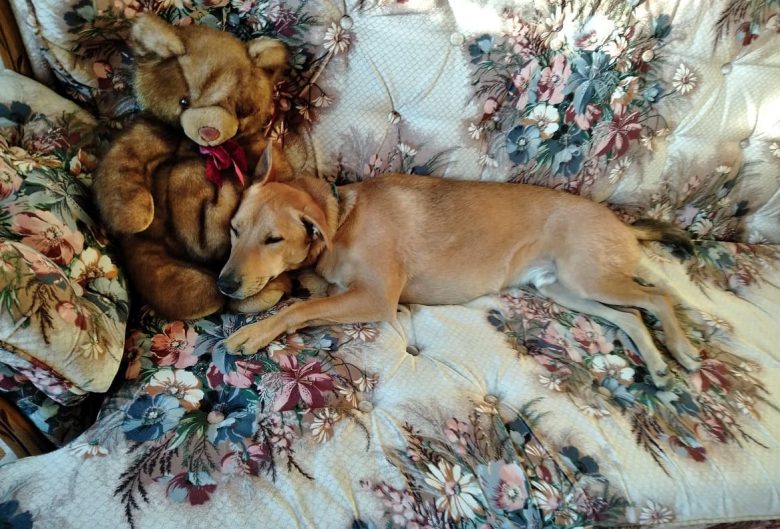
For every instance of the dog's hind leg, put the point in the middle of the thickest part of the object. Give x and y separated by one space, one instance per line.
628 322
621 290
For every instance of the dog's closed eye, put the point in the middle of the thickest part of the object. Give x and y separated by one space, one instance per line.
272 239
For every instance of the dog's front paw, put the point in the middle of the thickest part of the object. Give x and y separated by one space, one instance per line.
249 339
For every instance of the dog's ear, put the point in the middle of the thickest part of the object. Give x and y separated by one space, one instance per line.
316 224
152 38
270 55
264 169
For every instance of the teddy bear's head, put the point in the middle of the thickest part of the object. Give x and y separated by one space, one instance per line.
207 81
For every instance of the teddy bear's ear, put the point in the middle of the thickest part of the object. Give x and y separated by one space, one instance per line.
269 54
152 37
264 168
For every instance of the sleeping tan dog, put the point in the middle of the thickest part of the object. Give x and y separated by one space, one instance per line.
413 239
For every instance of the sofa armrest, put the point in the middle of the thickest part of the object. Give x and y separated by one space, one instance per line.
18 437
12 52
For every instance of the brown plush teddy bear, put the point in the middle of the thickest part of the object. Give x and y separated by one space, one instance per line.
171 181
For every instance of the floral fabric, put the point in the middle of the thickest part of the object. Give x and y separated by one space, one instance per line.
508 411
63 302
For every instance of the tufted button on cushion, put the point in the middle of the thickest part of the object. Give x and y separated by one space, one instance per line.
365 406
346 22
491 399
394 117
412 350
726 68
456 39
745 143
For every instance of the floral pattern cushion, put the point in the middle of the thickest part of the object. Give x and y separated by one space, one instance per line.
63 302
509 411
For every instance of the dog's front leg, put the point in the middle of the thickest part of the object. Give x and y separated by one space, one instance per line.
357 305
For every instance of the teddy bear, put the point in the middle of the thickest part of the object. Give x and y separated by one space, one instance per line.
171 181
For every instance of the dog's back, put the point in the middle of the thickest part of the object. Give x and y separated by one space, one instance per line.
458 240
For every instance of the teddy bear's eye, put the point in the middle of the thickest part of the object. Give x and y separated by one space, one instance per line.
184 102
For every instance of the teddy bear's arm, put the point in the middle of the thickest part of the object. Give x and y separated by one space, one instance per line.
123 180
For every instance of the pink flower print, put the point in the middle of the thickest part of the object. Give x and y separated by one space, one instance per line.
510 493
522 82
364 332
491 105
10 181
590 336
42 267
244 375
287 345
552 336
44 380
301 383
47 234
622 130
72 314
584 121
246 462
553 80
193 487
175 346
712 373
214 376
374 167
458 433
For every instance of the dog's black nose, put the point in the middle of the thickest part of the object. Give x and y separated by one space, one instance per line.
228 284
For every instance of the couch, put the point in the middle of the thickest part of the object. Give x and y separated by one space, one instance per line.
507 411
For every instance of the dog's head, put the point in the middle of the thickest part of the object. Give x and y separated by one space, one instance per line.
275 229
206 81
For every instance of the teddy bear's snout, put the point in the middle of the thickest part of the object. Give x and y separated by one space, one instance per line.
209 126
209 133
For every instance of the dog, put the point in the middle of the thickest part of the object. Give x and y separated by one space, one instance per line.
427 240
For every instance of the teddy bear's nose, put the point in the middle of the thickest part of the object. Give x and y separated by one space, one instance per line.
209 133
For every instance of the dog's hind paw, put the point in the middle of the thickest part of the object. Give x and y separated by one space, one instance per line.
690 363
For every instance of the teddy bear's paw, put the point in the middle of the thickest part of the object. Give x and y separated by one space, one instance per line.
134 214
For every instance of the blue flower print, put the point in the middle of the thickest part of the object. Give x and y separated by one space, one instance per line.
567 152
151 416
10 518
232 415
591 78
522 144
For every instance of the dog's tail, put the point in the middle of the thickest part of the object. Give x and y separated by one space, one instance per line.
656 230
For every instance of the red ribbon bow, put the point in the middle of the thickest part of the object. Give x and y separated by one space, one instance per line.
221 158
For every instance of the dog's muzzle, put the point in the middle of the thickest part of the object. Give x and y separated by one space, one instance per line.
228 285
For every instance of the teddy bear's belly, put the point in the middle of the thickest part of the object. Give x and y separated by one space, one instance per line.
193 214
